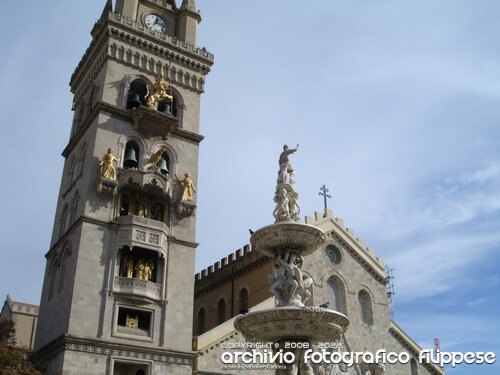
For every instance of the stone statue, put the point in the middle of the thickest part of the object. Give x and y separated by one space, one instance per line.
293 205
282 210
160 93
285 197
155 157
187 187
289 285
107 165
286 171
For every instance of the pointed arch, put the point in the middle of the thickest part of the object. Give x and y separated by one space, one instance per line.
243 300
65 216
365 307
413 367
126 86
81 161
53 272
72 172
221 310
74 207
66 253
336 294
201 320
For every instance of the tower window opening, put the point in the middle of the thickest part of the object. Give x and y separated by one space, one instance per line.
139 264
202 316
133 368
131 155
134 322
243 297
221 311
137 94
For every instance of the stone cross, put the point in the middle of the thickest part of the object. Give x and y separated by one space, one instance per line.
324 192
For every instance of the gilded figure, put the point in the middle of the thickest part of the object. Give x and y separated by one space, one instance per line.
155 157
187 187
107 164
129 267
139 270
160 92
132 322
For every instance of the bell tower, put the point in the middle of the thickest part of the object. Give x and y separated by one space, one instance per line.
118 288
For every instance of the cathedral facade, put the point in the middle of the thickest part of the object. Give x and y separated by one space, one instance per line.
120 296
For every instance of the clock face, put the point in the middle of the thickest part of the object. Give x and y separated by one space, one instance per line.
156 23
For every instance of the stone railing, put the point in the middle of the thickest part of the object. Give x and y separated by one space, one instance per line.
137 288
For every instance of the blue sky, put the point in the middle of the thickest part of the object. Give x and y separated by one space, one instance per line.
394 105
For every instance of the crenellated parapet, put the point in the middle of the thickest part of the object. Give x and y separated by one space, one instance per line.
224 263
335 226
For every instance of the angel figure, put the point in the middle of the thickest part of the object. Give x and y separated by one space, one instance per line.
107 165
187 187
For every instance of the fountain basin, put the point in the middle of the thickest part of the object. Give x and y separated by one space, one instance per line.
273 238
292 323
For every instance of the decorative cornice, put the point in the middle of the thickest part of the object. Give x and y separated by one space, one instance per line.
124 114
412 346
91 346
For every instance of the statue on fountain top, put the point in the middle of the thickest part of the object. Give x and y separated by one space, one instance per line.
285 197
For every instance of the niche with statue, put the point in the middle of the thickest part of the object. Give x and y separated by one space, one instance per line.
134 322
138 263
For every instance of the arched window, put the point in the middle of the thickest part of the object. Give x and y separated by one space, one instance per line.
335 295
54 268
64 266
202 315
83 153
243 297
91 100
221 311
74 207
131 155
365 307
137 94
65 218
72 173
414 368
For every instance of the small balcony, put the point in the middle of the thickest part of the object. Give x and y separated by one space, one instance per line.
137 288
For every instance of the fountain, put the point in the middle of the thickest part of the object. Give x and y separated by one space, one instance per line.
292 326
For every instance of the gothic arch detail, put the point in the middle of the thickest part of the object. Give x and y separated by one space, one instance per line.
336 294
365 305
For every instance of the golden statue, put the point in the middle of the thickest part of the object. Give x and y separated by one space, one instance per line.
155 157
129 267
161 94
107 165
148 270
187 187
132 322
139 270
